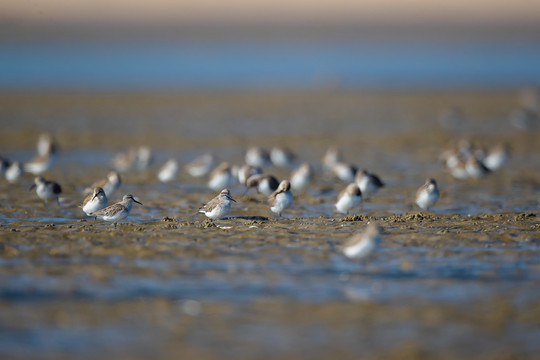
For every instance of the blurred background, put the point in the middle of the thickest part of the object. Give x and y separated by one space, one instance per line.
210 44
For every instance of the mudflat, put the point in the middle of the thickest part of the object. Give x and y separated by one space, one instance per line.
458 281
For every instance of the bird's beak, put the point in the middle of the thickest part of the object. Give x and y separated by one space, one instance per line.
230 198
32 187
137 202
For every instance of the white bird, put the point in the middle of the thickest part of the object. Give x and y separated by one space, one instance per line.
361 245
221 177
497 157
201 166
427 195
42 162
344 172
219 206
258 157
281 199
116 212
349 198
14 172
169 171
46 190
95 201
45 142
265 183
368 183
283 157
301 177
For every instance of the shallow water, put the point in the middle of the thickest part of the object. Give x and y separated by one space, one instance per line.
461 280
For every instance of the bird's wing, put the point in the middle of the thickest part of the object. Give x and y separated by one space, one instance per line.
109 210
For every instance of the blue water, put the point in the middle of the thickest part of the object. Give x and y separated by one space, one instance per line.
240 65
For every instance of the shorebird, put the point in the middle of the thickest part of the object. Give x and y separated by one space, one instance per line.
169 171
344 172
201 165
46 190
361 245
368 183
264 183
116 212
45 142
219 206
281 199
258 157
427 195
42 162
95 201
221 177
349 198
497 157
301 177
14 172
283 157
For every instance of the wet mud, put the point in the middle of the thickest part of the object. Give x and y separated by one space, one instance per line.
458 281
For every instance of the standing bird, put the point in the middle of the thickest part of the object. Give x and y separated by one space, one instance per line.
368 183
42 162
116 212
362 245
168 171
14 172
264 183
497 157
221 177
95 201
144 158
344 172
46 189
45 142
283 157
219 206
258 157
109 184
201 165
281 199
301 177
349 198
427 195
